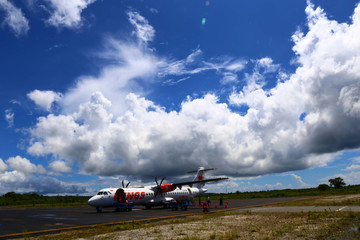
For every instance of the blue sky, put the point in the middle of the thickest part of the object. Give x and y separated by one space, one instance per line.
93 92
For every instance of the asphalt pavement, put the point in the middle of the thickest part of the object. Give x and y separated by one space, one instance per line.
15 222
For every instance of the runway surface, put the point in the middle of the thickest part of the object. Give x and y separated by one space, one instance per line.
14 222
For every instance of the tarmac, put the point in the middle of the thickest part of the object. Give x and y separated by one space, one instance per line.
17 222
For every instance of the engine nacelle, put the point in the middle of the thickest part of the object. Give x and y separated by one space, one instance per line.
167 187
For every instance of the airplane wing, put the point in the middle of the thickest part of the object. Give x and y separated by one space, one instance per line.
190 183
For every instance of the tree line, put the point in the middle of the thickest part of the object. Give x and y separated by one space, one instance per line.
12 198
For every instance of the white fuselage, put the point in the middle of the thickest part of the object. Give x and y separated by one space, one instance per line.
143 196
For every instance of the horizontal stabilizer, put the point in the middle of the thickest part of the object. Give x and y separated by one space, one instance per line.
208 169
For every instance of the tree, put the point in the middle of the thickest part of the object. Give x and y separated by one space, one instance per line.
337 182
323 187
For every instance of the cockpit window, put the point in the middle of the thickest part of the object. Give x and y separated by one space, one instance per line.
100 193
105 193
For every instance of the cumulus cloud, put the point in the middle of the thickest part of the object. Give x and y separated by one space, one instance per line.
25 182
59 167
44 99
24 165
67 13
3 166
20 175
323 87
14 18
302 122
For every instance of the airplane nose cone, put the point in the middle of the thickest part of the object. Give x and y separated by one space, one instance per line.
91 201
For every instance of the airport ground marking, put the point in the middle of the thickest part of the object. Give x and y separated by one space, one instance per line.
340 209
143 220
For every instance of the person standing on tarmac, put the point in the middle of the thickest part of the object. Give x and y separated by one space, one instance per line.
205 207
208 200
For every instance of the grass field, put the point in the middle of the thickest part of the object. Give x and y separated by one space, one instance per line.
230 225
351 189
238 225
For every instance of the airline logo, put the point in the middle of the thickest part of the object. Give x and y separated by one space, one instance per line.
131 196
135 195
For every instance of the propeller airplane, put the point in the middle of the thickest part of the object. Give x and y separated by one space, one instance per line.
155 195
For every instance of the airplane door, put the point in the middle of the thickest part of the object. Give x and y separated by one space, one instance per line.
121 197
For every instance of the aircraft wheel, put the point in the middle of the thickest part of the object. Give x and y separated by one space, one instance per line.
148 206
98 210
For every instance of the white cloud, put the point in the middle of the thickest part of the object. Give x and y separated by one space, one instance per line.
25 182
236 66
194 56
349 99
12 177
67 13
143 30
59 167
116 131
356 159
229 78
299 180
14 18
9 117
44 99
24 165
3 166
133 65
255 187
353 167
19 174
324 87
351 178
193 64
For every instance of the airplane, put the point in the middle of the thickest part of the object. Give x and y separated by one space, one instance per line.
155 195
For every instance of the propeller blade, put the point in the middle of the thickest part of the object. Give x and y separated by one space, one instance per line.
162 180
123 183
157 184
128 184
